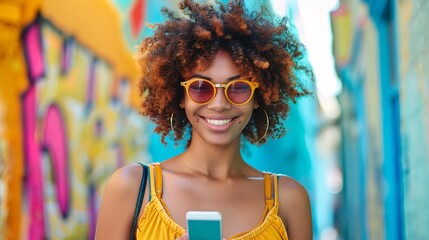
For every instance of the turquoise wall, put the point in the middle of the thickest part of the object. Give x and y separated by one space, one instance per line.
413 88
385 119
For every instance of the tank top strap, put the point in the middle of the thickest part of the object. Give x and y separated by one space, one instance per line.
268 186
276 189
155 180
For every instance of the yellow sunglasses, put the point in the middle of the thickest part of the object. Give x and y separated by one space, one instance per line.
203 91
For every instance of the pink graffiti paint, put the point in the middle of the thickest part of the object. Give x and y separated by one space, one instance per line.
55 142
34 51
33 163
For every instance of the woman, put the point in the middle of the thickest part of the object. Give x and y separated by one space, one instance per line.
217 76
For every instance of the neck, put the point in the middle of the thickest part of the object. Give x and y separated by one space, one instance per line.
217 162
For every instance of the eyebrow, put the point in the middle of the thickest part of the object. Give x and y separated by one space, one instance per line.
208 78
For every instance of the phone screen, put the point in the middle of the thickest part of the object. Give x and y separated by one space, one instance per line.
204 226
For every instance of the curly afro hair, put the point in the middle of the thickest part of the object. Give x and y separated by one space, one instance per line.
265 51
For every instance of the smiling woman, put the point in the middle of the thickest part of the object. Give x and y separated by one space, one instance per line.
219 120
225 75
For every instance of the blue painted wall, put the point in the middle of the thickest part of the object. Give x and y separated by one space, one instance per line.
395 153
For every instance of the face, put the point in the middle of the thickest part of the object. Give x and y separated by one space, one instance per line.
218 122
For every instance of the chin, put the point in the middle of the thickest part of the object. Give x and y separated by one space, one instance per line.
221 142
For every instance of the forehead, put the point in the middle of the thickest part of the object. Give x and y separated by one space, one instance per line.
222 67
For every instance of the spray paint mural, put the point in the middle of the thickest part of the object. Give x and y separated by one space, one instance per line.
73 112
74 120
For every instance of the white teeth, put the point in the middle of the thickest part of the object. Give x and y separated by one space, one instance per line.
218 122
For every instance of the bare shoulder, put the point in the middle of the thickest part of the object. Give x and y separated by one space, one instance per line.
125 179
123 184
291 191
295 209
118 203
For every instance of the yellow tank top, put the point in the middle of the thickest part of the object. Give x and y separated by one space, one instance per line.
156 222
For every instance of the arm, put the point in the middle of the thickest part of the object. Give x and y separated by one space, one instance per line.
116 211
295 209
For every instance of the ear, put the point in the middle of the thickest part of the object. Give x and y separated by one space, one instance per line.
255 105
182 103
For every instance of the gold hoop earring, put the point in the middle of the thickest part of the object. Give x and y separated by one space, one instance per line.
171 123
266 126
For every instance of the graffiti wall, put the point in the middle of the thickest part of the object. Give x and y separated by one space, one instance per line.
78 128
67 121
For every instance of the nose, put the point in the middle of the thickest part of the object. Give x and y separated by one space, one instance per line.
219 102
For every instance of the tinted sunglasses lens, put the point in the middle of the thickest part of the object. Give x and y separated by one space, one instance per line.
201 91
239 92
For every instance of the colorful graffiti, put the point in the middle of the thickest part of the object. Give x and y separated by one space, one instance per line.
68 114
78 127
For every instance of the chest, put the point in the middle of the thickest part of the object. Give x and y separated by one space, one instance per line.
241 202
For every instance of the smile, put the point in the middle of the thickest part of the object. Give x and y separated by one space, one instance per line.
218 122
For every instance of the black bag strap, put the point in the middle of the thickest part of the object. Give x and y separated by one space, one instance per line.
139 199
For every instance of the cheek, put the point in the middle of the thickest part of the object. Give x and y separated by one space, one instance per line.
191 110
247 115
188 112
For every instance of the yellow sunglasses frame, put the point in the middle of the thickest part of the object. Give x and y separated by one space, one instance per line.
187 83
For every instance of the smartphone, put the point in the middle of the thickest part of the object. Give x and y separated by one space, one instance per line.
204 225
